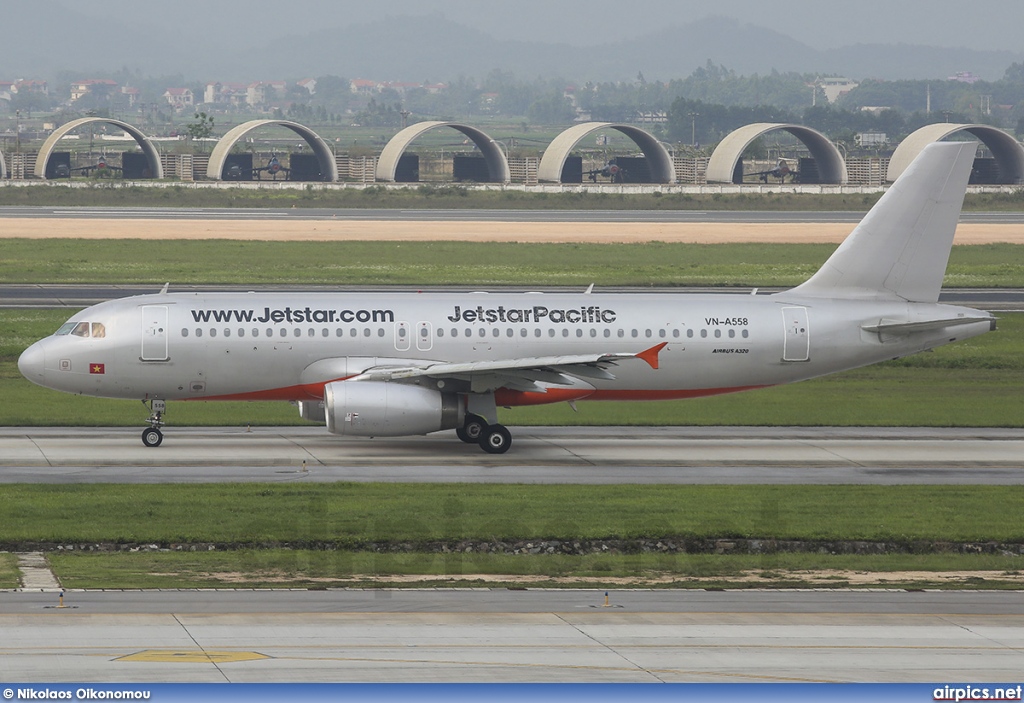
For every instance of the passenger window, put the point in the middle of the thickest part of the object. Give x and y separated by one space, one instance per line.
689 333
718 333
607 332
296 332
81 329
622 333
509 332
326 332
284 332
497 332
551 331
579 332
593 332
199 332
732 333
536 332
647 333
380 331
366 331
227 332
184 331
675 333
241 332
661 333
440 331
635 333
703 334
565 332
213 332
745 334
469 332
352 332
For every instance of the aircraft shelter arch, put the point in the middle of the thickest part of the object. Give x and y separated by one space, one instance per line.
497 165
323 153
722 164
1006 150
553 160
147 146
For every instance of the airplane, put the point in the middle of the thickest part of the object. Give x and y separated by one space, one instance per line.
612 171
100 165
396 364
780 171
273 168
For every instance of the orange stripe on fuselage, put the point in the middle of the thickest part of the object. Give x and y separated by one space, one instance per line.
503 396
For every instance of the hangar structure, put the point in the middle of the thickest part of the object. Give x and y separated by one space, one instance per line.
723 161
148 148
322 152
552 161
391 154
1006 151
3 166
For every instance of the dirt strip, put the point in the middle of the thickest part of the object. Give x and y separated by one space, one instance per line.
407 231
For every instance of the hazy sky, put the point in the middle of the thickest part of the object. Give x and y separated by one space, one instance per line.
993 24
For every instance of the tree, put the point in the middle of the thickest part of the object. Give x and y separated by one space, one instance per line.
200 128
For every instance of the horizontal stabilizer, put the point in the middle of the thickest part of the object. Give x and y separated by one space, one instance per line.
896 327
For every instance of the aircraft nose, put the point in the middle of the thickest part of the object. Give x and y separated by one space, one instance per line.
32 363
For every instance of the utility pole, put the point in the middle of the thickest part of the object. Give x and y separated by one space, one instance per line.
693 127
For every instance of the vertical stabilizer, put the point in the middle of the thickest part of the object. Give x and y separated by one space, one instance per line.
901 247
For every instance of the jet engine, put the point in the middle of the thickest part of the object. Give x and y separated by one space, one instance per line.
382 409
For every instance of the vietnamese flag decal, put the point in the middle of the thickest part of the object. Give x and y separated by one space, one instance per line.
97 368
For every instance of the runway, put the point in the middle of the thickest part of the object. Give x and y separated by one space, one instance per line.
571 455
61 295
471 215
484 635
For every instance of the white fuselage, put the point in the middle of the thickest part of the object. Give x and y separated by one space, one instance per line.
286 346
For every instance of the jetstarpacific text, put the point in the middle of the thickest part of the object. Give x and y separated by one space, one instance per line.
538 313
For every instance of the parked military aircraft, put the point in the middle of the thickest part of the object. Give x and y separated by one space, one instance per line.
394 364
611 170
780 171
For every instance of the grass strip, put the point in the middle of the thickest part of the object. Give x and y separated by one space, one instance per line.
975 383
116 193
353 516
276 568
9 573
455 263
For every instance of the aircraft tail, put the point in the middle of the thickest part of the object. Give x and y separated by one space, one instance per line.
901 247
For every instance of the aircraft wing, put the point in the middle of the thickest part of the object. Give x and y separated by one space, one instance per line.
518 374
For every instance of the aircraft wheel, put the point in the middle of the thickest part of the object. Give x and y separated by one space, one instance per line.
496 440
472 430
152 437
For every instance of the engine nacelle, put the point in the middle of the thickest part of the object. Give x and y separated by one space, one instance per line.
312 410
379 409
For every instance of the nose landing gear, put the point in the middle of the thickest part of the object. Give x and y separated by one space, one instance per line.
152 436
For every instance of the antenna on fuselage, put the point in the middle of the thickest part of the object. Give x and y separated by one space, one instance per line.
163 290
589 290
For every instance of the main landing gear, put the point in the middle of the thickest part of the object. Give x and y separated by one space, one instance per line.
493 439
152 436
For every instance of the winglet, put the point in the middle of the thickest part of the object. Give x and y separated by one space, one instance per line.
651 355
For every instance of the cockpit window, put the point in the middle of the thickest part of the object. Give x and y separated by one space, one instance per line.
83 329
